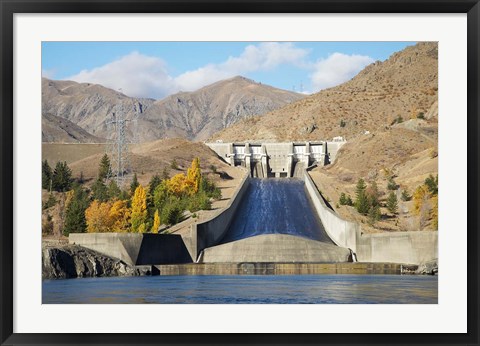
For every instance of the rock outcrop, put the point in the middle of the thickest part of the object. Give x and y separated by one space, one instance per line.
428 267
73 261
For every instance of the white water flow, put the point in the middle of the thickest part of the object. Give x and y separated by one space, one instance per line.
276 206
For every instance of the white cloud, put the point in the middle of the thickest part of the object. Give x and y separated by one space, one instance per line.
50 74
262 57
336 69
136 74
144 76
139 75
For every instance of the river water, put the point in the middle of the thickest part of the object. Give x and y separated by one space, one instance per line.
276 206
293 289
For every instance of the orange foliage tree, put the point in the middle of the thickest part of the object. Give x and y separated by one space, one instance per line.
120 214
107 217
97 216
181 184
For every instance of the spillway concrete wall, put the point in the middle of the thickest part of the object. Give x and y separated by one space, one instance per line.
135 248
398 247
276 248
209 233
343 233
401 247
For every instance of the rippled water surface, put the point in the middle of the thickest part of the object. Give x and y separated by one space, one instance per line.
294 289
276 206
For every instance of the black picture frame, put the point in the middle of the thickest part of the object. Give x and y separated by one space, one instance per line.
9 7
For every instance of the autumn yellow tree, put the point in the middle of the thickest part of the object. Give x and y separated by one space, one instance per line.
434 213
120 214
138 217
194 175
179 185
156 222
420 196
98 218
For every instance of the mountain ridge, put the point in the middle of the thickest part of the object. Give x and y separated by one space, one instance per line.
193 115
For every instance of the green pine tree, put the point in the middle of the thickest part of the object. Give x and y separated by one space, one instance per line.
392 185
100 190
46 175
152 185
154 182
51 201
432 184
114 191
392 203
406 196
361 200
62 177
343 199
374 215
134 184
105 168
75 214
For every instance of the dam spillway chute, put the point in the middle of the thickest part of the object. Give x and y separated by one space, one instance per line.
276 206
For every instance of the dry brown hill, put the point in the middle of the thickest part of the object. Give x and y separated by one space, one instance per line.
88 105
61 130
404 85
191 115
146 159
199 114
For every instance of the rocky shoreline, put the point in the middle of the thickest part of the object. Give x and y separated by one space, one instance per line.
73 261
428 268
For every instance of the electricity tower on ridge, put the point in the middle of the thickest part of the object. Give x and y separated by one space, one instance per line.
118 146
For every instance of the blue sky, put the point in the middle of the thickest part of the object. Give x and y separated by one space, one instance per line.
157 69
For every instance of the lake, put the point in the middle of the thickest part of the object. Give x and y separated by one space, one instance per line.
292 289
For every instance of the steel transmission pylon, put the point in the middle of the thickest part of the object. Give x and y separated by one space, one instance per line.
118 146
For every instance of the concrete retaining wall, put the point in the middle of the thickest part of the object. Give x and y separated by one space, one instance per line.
209 233
280 268
333 148
135 248
400 247
342 232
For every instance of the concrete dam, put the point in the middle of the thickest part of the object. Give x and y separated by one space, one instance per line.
280 160
270 225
